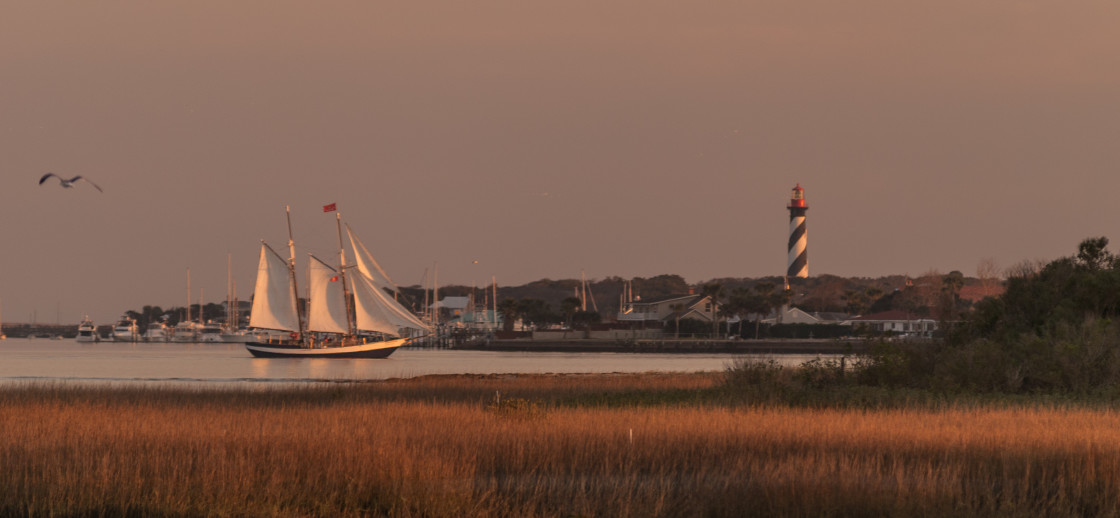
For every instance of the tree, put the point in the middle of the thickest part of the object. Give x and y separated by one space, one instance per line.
1091 254
569 307
741 303
583 319
1065 292
1055 328
510 310
715 291
677 310
536 311
950 298
661 285
988 272
146 315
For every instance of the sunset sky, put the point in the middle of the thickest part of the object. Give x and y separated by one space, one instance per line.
624 138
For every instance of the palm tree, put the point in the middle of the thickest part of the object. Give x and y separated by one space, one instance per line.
535 311
569 307
764 302
741 303
677 310
510 310
713 290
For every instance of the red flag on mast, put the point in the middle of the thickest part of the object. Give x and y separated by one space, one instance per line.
329 208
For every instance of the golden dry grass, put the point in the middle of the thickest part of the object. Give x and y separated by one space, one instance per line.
401 449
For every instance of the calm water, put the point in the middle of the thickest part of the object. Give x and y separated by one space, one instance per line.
66 360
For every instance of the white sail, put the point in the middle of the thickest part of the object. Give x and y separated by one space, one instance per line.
368 268
370 313
326 310
367 265
274 301
414 322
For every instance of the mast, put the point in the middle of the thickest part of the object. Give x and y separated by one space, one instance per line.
435 297
583 291
229 291
427 303
236 322
292 268
350 325
188 295
494 317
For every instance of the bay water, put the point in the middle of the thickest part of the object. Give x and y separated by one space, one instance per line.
220 364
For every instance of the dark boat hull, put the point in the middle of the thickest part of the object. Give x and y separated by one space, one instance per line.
367 350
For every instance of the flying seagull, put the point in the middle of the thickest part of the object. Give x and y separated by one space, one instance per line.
67 183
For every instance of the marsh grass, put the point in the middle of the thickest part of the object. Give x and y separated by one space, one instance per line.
549 446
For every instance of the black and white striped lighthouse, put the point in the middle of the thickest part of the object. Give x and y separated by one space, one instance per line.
798 255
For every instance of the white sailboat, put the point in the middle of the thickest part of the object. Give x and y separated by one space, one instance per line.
376 326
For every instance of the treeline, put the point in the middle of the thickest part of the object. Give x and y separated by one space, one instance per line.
547 301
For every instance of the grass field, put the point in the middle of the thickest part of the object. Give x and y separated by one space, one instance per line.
579 445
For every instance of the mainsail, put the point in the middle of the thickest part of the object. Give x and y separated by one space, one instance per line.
274 301
326 310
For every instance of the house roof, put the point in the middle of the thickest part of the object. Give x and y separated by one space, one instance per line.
692 313
894 315
659 300
453 302
791 314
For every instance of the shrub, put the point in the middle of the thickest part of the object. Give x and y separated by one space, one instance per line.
514 407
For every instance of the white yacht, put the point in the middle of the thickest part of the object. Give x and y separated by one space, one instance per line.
126 330
185 331
240 336
157 332
210 332
87 331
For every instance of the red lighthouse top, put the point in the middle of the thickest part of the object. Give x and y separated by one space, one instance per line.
798 198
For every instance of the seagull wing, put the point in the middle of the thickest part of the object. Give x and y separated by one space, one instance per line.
80 177
48 175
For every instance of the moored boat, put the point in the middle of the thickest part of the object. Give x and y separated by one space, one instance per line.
87 331
210 332
157 332
184 331
126 330
241 336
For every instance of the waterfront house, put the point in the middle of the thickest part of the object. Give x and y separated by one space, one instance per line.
896 322
663 309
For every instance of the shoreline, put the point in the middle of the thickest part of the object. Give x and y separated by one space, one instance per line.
775 347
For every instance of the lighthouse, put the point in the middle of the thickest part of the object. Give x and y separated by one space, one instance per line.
798 255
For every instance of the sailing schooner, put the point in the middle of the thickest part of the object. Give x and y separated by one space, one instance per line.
374 326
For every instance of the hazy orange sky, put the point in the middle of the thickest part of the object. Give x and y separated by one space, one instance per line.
628 138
